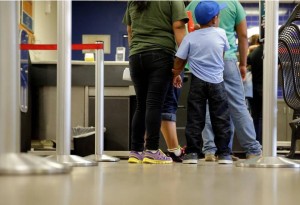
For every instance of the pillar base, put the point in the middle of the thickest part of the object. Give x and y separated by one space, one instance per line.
268 162
22 163
73 160
102 158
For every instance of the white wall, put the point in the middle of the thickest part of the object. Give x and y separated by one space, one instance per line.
45 30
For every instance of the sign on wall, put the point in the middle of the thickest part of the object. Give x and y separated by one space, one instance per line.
91 39
27 14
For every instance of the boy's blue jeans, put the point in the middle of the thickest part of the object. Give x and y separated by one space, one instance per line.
151 74
200 92
240 116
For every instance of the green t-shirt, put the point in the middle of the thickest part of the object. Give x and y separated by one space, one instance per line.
230 17
152 29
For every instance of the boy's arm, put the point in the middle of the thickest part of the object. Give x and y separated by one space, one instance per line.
177 69
178 66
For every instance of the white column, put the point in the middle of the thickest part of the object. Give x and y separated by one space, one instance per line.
9 78
63 110
270 81
99 102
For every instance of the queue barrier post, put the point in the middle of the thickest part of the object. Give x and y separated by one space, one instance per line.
62 155
63 101
12 162
99 109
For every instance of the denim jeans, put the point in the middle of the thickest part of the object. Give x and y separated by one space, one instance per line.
151 74
171 102
200 92
240 116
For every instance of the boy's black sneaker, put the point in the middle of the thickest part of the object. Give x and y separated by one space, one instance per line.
191 158
224 159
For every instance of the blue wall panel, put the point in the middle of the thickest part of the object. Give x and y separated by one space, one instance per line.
98 17
105 17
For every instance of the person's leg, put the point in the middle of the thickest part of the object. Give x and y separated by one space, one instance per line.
168 125
257 112
168 129
209 148
219 113
158 66
208 136
240 115
139 79
196 109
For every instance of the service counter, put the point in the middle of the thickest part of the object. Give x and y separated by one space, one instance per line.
119 104
43 73
117 94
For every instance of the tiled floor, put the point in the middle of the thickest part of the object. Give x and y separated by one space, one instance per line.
113 183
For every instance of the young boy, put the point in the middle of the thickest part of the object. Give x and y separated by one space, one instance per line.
204 50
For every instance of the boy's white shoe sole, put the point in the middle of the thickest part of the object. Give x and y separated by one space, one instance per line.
190 161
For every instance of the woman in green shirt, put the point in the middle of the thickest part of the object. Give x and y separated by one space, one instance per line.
154 28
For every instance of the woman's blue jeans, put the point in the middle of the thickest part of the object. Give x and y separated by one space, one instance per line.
151 73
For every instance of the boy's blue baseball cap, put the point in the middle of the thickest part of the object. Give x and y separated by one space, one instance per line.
207 10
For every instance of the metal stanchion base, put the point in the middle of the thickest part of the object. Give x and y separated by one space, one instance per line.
21 163
102 158
268 162
73 160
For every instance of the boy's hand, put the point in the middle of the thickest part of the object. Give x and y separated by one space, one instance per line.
177 81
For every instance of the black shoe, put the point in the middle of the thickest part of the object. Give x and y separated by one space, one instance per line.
191 158
224 159
176 158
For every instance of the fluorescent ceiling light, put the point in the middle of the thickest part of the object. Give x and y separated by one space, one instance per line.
255 12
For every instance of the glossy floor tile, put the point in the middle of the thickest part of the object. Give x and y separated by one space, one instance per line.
114 183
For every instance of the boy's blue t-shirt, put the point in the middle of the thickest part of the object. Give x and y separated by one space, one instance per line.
230 17
204 50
